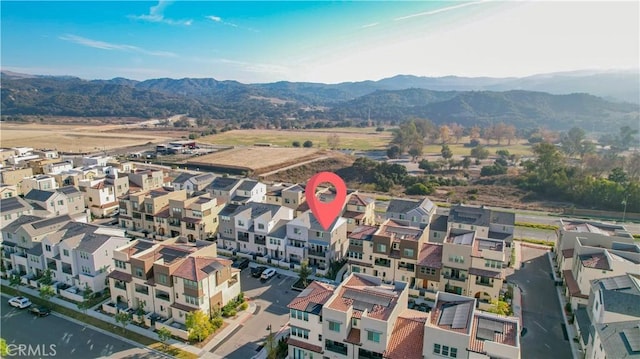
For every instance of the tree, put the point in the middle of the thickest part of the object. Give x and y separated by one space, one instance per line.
571 142
304 273
393 152
474 133
333 140
199 326
479 152
164 335
499 307
618 175
46 292
124 318
295 143
419 189
446 152
140 312
510 133
86 299
466 162
415 152
445 134
4 348
15 282
47 278
307 144
627 137
428 167
457 131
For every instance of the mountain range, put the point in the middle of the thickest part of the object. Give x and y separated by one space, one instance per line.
558 101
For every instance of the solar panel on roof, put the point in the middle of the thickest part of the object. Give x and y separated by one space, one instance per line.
365 297
447 315
615 283
465 239
461 316
485 334
490 324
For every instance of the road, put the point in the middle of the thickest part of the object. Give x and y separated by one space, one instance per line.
541 311
55 336
272 299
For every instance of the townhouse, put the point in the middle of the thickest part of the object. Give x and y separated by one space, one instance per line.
237 191
414 213
487 223
7 191
21 244
170 279
198 183
307 239
12 208
290 196
224 188
609 325
245 228
99 196
57 167
365 318
81 254
359 211
65 200
14 176
164 214
146 180
180 181
41 182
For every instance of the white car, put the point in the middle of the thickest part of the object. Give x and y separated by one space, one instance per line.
20 302
268 273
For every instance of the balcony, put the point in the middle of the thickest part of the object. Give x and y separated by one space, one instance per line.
317 253
142 290
174 222
459 278
136 215
483 281
243 236
261 240
383 262
336 347
120 285
407 267
190 226
6 254
163 296
66 268
52 265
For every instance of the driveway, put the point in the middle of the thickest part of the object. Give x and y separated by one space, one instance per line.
542 314
271 298
58 337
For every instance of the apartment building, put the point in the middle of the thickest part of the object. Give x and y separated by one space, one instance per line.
413 213
305 321
319 246
245 228
198 183
65 200
359 211
80 254
179 182
487 223
224 188
609 326
455 329
290 196
164 214
21 243
99 197
41 182
12 208
146 180
169 280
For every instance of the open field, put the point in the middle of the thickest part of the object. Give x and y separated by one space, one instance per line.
520 148
358 139
259 159
70 138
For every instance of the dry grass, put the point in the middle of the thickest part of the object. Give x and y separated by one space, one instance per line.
520 148
256 158
70 138
357 139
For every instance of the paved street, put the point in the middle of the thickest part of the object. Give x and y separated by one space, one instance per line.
272 299
70 340
542 314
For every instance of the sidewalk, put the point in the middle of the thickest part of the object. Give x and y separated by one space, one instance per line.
559 291
262 354
233 323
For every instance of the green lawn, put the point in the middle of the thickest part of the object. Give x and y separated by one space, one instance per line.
519 149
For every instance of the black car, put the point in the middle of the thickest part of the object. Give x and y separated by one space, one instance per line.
241 263
40 310
257 271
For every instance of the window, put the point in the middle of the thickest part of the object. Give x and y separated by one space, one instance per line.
163 279
299 332
319 234
298 353
355 255
138 271
373 336
60 202
84 255
260 226
334 326
355 242
492 264
65 252
191 300
120 264
408 252
177 211
382 247
7 217
297 231
240 223
86 269
445 350
453 353
427 271
436 348
275 242
456 259
190 283
299 314
47 248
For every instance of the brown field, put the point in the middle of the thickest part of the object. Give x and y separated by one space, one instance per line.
258 159
70 138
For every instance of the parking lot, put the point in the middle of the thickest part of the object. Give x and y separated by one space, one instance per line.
271 298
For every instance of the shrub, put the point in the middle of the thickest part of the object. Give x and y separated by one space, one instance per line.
244 306
217 322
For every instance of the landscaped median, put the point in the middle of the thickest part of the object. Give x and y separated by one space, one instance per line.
537 226
110 327
539 242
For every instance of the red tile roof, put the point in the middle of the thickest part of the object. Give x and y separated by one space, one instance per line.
315 293
572 285
485 273
352 214
358 200
567 253
354 336
597 261
192 268
304 345
430 256
120 276
363 232
343 302
506 334
407 337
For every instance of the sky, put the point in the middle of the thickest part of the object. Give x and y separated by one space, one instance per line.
324 41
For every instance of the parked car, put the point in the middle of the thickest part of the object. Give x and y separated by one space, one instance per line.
240 263
40 311
257 271
268 273
20 302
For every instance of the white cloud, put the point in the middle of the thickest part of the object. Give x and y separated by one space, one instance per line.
437 11
219 20
214 18
156 14
369 25
103 45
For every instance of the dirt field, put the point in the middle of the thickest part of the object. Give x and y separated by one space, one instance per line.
70 138
258 159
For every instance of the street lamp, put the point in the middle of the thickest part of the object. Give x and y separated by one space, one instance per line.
624 212
270 341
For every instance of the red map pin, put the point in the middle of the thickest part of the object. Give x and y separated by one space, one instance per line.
326 213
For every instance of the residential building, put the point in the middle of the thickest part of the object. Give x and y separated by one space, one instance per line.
411 212
22 251
41 182
5 154
306 321
609 326
250 191
146 180
224 188
487 223
65 200
14 176
290 196
169 280
198 183
99 197
81 254
164 214
38 165
359 211
96 160
57 167
245 228
12 208
322 246
179 182
7 190
46 153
